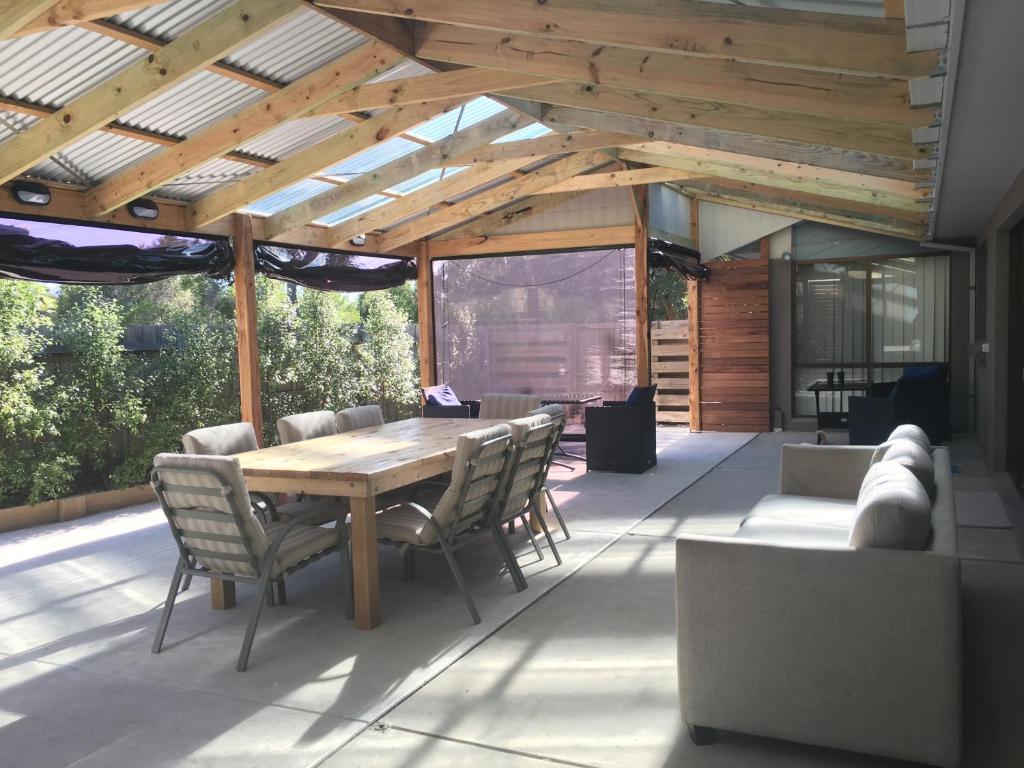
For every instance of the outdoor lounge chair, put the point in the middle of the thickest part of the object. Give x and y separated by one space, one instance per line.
360 417
440 402
218 537
305 426
623 436
462 512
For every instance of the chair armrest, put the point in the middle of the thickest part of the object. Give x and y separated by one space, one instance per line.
834 471
851 648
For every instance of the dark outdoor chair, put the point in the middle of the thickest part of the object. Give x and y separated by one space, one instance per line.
921 397
623 437
435 405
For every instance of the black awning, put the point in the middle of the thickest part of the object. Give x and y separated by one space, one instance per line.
333 271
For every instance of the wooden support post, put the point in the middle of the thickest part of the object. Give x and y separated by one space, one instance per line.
222 593
425 310
693 316
643 324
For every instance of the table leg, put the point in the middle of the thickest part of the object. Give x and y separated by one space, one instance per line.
222 594
540 507
365 574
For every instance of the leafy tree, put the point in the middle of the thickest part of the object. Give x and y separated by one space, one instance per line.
402 296
667 291
388 367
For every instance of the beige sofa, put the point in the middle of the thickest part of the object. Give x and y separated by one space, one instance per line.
818 621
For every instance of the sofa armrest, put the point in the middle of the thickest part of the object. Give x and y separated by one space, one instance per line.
835 471
855 649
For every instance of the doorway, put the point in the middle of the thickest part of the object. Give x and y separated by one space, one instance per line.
1015 385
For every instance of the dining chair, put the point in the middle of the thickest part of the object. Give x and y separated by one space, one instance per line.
207 506
558 421
359 417
305 426
221 440
507 406
462 512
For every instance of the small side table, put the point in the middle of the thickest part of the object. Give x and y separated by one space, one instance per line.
835 418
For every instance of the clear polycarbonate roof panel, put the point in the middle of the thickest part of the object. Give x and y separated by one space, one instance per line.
376 156
56 67
350 211
531 131
289 196
471 113
425 179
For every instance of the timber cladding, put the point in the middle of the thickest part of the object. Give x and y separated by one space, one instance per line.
733 337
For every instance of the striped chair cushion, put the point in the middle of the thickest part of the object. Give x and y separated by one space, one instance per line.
507 406
360 417
305 426
221 440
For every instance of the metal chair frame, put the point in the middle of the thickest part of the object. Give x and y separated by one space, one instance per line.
559 423
188 564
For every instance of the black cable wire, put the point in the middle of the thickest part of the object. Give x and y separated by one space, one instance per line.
538 285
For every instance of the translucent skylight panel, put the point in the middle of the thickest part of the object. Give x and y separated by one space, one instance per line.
351 211
531 131
425 179
289 196
374 157
443 126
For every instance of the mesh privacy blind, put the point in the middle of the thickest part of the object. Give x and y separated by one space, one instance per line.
546 324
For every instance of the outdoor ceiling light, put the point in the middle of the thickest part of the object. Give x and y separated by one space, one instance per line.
30 193
143 209
358 240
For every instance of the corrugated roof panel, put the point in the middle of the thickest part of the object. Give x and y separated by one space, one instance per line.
531 131
407 68
425 179
472 112
100 155
296 47
13 123
295 135
205 179
57 67
169 20
194 103
351 211
376 156
289 196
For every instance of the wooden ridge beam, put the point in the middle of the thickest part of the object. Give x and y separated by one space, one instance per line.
869 99
210 40
490 199
377 180
386 215
815 155
592 237
808 129
773 35
889 194
226 134
312 160
509 215
70 12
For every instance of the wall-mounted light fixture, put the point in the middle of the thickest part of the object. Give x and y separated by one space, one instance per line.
358 240
30 193
143 209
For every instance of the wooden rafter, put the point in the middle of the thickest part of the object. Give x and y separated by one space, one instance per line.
69 12
312 160
14 16
207 42
380 179
809 129
492 198
226 134
775 35
517 211
628 178
740 143
888 193
770 87
592 237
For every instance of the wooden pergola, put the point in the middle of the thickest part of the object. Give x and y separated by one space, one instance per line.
805 114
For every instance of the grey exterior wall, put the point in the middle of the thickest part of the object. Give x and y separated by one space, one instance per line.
959 338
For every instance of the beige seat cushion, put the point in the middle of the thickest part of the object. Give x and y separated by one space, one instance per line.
912 432
320 509
360 417
301 543
911 455
784 533
507 406
306 426
221 440
893 509
814 510
402 524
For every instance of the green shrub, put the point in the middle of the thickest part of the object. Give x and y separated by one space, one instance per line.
388 367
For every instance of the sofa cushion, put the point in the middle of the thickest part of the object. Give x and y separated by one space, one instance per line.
784 533
913 457
813 510
912 432
893 510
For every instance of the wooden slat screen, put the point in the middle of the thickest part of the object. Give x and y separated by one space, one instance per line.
670 350
734 340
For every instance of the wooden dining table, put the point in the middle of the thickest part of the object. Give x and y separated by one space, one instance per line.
360 465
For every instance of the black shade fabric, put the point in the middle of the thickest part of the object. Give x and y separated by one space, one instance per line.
26 257
662 254
330 271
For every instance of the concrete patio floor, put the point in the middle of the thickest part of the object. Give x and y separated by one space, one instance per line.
577 670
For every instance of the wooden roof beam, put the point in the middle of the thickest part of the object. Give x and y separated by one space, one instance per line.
17 14
70 12
858 97
532 242
517 211
769 35
210 40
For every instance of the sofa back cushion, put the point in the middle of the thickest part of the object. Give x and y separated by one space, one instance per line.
913 457
912 432
893 510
